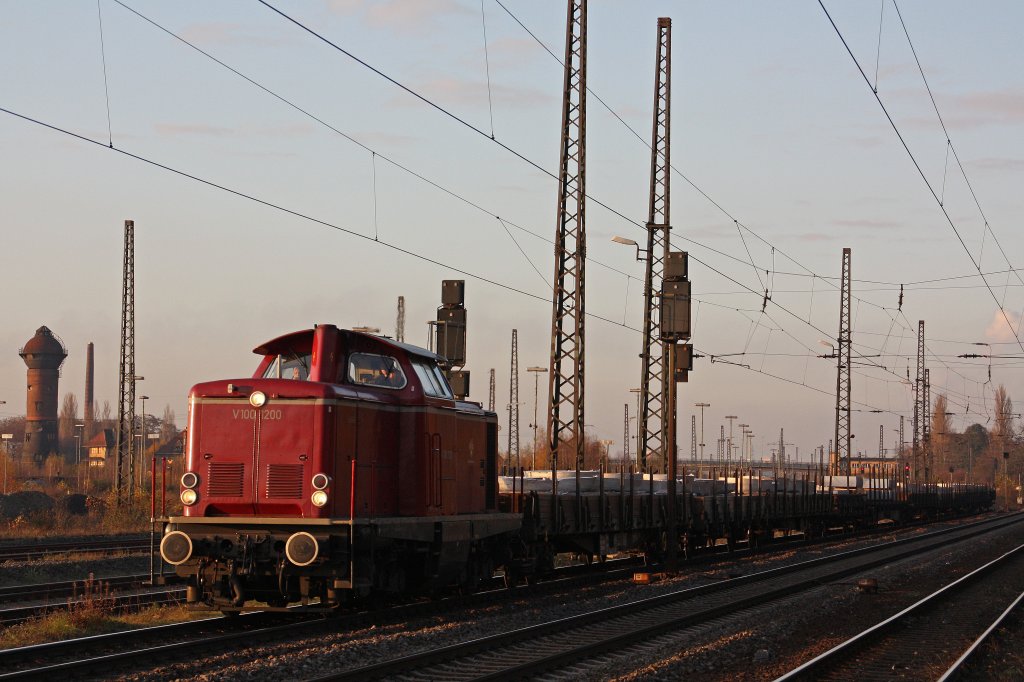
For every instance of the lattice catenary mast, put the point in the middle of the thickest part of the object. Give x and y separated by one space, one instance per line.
653 384
490 393
566 376
513 403
842 457
124 442
918 395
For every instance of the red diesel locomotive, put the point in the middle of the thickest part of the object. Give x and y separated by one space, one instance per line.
343 466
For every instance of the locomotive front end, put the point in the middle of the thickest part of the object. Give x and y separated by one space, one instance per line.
258 490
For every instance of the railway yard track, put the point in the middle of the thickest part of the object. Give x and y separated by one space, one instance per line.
119 594
571 645
561 645
936 637
30 551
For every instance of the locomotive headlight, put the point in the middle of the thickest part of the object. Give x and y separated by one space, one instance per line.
257 398
189 497
321 481
319 498
189 479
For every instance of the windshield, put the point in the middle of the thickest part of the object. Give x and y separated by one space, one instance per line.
289 366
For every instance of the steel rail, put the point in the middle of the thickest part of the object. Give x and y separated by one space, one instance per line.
210 633
556 644
36 550
960 663
67 588
116 603
845 653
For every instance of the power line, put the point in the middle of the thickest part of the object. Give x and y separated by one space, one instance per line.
920 171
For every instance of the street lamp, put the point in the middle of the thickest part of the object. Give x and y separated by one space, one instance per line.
641 453
145 433
629 242
537 371
743 443
702 406
728 450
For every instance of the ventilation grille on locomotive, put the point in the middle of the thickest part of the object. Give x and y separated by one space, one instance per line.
226 479
284 481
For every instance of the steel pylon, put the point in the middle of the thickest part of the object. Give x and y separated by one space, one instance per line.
653 387
566 377
124 442
843 383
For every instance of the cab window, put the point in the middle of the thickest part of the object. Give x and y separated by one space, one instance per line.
433 380
289 366
375 370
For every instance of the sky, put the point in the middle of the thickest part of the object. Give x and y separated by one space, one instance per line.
783 157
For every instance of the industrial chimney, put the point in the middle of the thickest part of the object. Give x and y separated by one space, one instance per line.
89 408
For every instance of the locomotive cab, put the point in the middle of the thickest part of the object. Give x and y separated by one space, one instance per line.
342 466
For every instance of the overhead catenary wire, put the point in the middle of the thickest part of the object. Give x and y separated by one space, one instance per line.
730 307
352 233
920 171
382 156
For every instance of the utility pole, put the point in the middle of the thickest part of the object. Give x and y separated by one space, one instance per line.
926 427
918 395
899 448
400 321
702 406
565 418
842 464
743 443
653 382
728 450
490 393
693 438
513 402
124 442
780 462
625 438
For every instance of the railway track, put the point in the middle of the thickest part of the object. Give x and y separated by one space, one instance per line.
563 645
29 551
192 640
119 594
933 638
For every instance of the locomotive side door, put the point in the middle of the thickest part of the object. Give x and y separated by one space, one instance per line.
440 440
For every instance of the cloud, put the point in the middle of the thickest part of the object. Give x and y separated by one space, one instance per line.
284 130
175 129
998 330
406 15
451 91
999 164
866 223
216 33
816 237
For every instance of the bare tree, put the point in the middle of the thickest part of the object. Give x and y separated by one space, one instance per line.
168 427
105 421
1003 427
941 432
66 424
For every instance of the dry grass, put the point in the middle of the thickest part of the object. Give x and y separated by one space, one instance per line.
91 612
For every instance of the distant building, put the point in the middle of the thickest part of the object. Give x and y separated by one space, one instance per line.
100 447
882 467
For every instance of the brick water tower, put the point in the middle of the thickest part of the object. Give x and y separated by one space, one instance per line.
44 354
